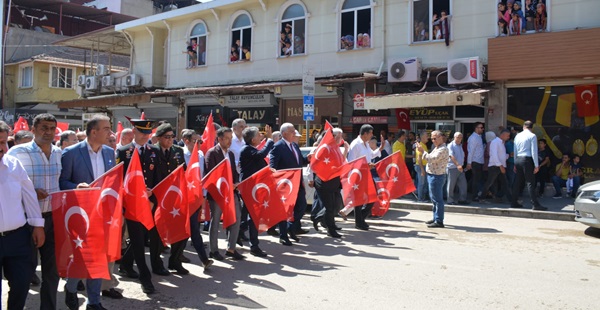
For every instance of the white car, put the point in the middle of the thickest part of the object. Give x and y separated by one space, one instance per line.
587 204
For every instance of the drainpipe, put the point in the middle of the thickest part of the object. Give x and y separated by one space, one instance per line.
383 46
151 56
168 50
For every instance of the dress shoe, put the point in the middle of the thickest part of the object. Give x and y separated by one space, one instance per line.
285 242
95 307
361 227
256 251
112 293
148 288
539 208
207 263
429 222
240 242
293 236
161 272
333 234
180 270
343 215
316 225
130 273
235 255
517 206
80 286
216 255
184 259
301 231
436 225
271 231
35 280
71 300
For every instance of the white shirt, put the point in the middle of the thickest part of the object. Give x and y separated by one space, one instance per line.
97 160
387 147
475 148
236 148
18 196
526 145
359 148
498 154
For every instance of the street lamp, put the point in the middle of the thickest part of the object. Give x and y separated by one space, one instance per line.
33 17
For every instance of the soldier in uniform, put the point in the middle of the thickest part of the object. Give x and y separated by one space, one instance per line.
170 157
142 129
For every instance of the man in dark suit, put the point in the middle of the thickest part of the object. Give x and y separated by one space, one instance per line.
170 157
213 157
286 155
251 161
142 129
82 163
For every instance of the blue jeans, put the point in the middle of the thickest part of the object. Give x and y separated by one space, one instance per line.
92 286
436 192
421 184
559 183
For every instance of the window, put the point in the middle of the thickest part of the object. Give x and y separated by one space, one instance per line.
519 17
431 20
292 33
61 77
196 49
356 23
26 79
241 38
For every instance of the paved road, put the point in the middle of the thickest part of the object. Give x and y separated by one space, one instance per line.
477 262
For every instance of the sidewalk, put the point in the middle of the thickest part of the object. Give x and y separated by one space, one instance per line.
558 209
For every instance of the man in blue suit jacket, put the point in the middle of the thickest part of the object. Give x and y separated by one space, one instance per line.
83 163
286 155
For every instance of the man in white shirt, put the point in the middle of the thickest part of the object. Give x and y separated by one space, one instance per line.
497 166
475 159
526 165
18 199
237 142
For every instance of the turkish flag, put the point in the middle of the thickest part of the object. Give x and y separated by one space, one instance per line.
20 124
60 127
111 207
327 159
143 116
119 130
327 126
403 119
218 182
172 214
195 197
288 186
587 100
208 136
79 234
393 169
357 183
263 201
136 202
382 205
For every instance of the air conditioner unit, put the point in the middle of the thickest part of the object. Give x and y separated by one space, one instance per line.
91 82
132 80
81 80
404 70
465 70
101 70
108 81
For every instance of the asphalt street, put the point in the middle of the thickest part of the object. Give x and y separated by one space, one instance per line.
476 262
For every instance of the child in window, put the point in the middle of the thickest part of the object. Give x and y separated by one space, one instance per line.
359 40
366 40
437 32
246 51
503 12
502 28
514 26
529 14
574 178
234 56
192 54
540 20
282 38
288 49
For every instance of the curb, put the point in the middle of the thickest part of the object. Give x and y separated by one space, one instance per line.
522 213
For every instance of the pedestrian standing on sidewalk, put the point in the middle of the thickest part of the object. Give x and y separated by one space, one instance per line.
456 172
437 161
526 165
420 166
497 166
475 158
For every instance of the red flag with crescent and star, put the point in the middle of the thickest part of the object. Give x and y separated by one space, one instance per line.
172 213
111 206
327 126
288 185
327 159
393 169
208 136
402 116
60 127
195 197
357 183
79 234
219 184
119 130
587 100
20 124
136 202
262 199
381 207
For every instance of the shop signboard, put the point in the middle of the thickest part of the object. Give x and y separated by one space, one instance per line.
432 114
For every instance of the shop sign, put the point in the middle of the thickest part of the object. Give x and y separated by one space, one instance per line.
359 99
252 115
249 100
10 115
432 114
369 120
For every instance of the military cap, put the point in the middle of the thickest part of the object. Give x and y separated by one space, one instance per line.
142 125
163 129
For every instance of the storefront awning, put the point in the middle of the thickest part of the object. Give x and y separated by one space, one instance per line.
105 101
426 99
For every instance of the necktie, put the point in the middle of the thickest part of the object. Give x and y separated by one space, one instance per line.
293 151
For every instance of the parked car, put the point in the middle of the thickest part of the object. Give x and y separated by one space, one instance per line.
587 204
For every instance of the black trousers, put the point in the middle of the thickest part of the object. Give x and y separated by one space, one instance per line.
525 167
196 236
495 174
156 248
50 276
329 194
176 252
135 250
15 264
